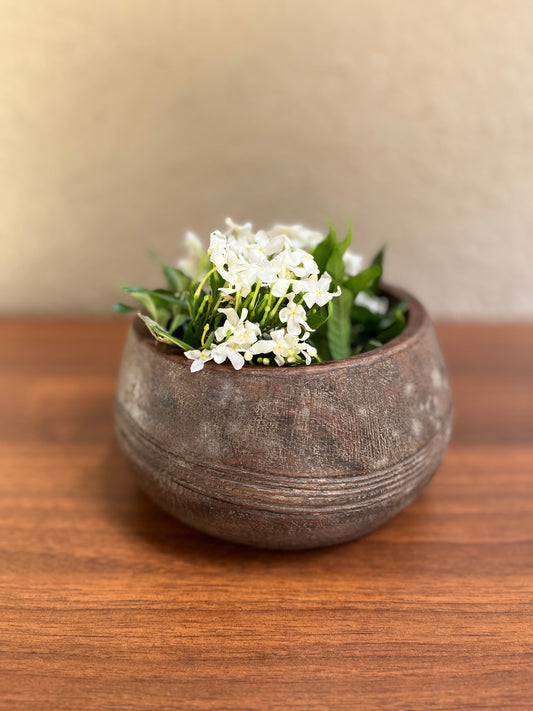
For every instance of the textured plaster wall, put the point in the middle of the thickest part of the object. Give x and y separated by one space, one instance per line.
124 123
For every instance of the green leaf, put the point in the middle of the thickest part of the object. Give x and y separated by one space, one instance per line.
178 320
318 315
328 254
163 336
367 280
340 325
178 282
378 259
158 296
365 317
144 298
346 242
373 343
123 309
402 305
320 341
323 250
395 329
190 333
157 302
209 340
215 282
169 297
335 265
152 302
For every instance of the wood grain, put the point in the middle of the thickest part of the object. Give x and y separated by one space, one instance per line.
108 603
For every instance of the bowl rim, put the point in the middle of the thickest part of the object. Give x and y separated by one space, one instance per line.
417 319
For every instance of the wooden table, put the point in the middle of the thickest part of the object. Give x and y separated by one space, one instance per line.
108 603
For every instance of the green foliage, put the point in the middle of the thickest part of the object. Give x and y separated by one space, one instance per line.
123 309
339 326
160 334
367 280
178 282
351 329
318 315
185 313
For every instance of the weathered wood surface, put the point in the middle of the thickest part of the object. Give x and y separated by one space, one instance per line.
108 603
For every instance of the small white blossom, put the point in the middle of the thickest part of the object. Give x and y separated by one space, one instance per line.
285 347
308 351
375 304
281 287
218 252
295 261
264 246
250 272
300 237
294 315
242 332
199 358
276 344
235 230
316 291
303 264
353 263
195 253
231 350
267 273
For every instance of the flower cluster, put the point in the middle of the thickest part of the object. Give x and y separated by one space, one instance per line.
285 296
270 284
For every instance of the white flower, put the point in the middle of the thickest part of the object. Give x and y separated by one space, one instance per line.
285 347
249 272
239 285
218 252
237 275
294 315
375 304
295 261
236 230
281 287
199 358
308 351
276 344
232 323
352 262
316 291
300 237
242 332
229 349
264 246
195 253
267 273
282 263
303 264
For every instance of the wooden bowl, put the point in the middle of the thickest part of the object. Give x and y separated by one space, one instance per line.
292 457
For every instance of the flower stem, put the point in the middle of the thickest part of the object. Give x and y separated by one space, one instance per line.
252 299
201 284
213 308
276 306
265 304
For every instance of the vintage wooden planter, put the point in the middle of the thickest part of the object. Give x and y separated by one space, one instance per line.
292 457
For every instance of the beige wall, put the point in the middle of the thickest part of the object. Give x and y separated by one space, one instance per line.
125 122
